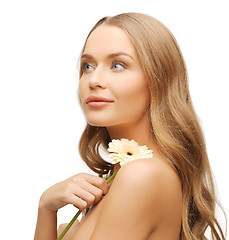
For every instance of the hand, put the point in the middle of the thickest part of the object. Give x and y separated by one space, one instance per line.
82 190
70 233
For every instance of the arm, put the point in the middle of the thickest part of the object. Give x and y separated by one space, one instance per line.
143 196
81 190
46 224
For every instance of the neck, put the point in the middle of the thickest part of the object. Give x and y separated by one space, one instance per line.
139 132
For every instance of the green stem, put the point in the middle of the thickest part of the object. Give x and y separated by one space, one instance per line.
112 177
78 213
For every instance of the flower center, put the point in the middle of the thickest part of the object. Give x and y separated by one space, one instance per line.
129 153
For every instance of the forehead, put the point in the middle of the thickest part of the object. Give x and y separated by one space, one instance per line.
109 39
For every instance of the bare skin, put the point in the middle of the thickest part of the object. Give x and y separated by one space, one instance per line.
149 207
144 201
81 190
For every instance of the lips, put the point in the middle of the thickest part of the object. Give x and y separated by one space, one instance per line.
98 101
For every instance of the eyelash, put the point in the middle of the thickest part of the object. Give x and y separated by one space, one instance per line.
84 64
119 63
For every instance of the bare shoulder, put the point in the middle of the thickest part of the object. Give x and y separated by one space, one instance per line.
146 194
154 179
154 171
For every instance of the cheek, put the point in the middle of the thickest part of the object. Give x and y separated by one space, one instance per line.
81 90
136 88
133 94
82 93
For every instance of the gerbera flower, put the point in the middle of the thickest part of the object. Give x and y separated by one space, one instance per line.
120 151
123 151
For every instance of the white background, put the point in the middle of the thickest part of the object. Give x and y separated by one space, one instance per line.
40 118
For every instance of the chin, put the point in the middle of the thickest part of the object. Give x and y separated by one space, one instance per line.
100 123
97 123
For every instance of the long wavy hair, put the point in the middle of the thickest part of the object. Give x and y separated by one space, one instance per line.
174 123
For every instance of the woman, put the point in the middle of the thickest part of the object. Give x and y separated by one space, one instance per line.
133 85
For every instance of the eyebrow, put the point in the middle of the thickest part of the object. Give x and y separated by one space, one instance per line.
112 55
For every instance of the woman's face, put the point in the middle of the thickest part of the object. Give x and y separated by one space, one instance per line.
113 89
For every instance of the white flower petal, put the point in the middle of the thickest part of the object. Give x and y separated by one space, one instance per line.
124 151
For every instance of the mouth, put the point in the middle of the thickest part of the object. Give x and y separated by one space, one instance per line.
98 101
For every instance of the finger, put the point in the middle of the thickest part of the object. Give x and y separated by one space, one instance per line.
77 202
98 182
61 228
71 231
85 195
97 192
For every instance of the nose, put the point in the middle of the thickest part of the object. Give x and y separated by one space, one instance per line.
97 79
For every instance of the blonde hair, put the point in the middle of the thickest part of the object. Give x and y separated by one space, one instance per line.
174 123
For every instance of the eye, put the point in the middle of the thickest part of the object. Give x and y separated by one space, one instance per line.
118 66
85 67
